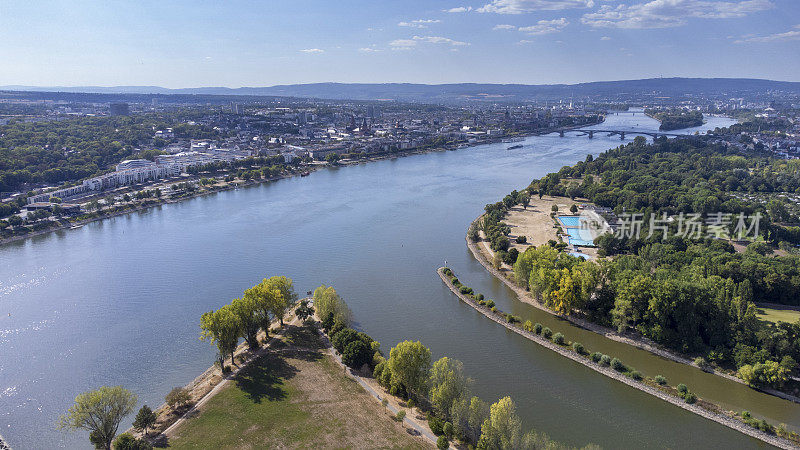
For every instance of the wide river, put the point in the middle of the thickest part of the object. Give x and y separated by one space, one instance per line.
117 302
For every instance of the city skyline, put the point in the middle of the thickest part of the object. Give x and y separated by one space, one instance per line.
489 41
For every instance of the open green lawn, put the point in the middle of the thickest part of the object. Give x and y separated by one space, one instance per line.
293 397
776 315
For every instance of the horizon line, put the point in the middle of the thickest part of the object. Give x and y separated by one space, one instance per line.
81 86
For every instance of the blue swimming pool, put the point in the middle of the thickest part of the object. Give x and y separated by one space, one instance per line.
570 221
580 255
577 238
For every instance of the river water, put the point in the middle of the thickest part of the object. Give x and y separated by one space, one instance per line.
117 302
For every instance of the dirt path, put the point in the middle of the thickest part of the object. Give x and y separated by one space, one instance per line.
419 426
611 373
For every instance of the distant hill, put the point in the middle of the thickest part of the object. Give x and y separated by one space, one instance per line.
628 89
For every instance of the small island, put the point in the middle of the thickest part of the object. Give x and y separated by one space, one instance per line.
676 119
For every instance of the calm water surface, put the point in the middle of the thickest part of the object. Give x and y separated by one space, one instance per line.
118 301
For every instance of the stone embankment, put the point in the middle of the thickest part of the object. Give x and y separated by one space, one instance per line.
611 373
480 251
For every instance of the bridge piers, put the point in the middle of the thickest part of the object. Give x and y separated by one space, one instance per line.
622 135
561 133
591 134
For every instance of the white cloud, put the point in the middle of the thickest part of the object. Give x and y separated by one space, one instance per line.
605 38
670 13
791 35
408 44
419 23
403 44
545 27
526 6
312 50
368 50
504 27
459 9
440 40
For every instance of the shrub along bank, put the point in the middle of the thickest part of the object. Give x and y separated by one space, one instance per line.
659 382
439 388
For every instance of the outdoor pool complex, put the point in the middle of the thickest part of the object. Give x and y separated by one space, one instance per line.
576 237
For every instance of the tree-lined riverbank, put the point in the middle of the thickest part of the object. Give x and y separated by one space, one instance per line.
579 355
72 305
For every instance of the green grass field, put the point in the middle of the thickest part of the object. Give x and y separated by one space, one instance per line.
776 315
294 397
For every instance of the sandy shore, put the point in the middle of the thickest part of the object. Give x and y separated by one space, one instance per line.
611 373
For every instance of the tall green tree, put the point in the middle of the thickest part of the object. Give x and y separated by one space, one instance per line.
145 419
633 299
447 384
524 198
410 362
99 412
247 311
221 327
503 429
467 416
288 297
327 301
264 298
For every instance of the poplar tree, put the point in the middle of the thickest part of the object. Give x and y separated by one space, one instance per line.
222 328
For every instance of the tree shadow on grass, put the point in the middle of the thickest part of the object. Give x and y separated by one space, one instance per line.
264 378
307 355
304 336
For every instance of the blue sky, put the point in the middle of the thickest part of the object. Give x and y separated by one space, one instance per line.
248 43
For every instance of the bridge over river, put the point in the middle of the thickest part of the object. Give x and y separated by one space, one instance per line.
621 133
